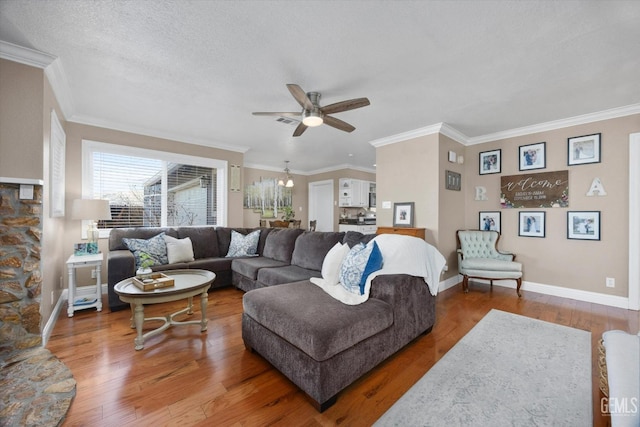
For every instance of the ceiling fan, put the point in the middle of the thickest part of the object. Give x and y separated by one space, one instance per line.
313 114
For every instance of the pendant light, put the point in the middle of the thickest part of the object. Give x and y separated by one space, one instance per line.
289 181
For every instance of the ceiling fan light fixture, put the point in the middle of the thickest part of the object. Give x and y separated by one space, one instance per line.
312 118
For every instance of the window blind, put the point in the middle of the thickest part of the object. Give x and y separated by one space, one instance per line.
147 192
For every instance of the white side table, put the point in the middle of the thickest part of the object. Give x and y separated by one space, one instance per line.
85 296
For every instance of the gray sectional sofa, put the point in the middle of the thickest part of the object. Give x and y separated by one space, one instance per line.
319 343
210 245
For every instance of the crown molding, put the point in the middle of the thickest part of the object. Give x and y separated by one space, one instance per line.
90 121
612 113
341 167
404 136
313 172
454 134
24 55
460 137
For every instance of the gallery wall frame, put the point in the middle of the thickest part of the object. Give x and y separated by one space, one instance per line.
403 214
532 156
490 162
489 220
531 223
584 149
583 225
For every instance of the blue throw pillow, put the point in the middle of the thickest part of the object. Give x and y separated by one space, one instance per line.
373 264
242 245
353 266
155 247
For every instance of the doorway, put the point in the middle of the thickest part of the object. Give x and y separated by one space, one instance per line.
321 204
634 221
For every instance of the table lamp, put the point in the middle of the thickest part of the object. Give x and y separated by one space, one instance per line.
91 210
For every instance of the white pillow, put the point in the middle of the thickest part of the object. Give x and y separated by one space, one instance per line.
332 262
179 250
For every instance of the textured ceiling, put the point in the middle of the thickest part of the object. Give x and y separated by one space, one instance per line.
195 70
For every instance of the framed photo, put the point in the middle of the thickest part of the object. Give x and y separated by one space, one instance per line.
490 162
583 225
453 180
489 221
533 156
403 214
89 248
584 149
531 223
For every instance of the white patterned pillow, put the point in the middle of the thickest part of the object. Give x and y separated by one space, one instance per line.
179 250
353 266
242 245
155 247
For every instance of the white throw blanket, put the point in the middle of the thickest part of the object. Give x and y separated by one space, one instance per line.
400 255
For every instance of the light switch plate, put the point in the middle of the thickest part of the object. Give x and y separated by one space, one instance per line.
386 205
26 192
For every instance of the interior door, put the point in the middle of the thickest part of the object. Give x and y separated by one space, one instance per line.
321 204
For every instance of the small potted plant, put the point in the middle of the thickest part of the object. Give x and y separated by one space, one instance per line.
144 271
287 213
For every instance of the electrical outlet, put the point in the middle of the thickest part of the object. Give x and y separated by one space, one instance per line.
93 273
52 297
611 282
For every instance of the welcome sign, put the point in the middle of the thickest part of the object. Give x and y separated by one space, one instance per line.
535 190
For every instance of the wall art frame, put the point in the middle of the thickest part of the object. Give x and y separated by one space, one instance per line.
403 214
583 225
489 221
490 162
532 156
584 149
531 223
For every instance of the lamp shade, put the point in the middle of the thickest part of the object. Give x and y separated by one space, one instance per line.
91 209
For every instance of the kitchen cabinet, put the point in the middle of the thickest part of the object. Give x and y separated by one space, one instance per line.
364 229
354 193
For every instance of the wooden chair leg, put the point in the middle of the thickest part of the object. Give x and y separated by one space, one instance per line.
465 284
519 282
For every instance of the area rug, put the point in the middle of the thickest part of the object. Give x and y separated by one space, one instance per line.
509 370
36 388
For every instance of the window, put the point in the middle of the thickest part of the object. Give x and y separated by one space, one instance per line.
148 188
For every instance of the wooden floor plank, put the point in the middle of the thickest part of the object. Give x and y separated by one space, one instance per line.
188 378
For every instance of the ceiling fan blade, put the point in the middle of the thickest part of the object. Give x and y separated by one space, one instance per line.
338 124
300 96
300 129
282 114
351 104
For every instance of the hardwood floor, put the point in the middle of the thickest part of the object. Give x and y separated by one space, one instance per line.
187 378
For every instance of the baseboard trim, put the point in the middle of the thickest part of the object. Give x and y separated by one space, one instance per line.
60 304
51 322
557 291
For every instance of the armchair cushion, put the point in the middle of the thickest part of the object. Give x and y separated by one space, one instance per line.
490 264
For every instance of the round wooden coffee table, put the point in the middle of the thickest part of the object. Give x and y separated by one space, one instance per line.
187 284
